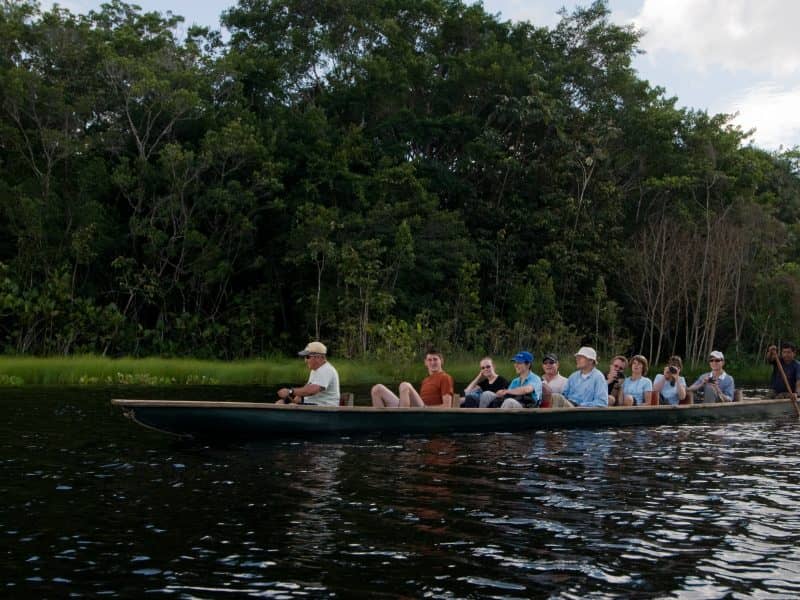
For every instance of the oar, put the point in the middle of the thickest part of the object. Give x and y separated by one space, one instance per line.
792 395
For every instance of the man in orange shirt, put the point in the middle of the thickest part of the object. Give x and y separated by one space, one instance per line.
436 388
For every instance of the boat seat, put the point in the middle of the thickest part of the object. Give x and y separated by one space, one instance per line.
347 399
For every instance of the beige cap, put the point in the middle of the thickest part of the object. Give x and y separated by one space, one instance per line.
717 354
587 352
313 348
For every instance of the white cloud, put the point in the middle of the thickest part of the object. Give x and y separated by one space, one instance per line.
757 36
772 111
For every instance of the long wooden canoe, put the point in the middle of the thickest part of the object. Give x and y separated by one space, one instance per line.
249 420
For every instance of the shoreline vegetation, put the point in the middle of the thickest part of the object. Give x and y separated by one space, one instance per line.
387 175
270 371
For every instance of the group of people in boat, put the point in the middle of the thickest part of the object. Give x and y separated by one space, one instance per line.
586 386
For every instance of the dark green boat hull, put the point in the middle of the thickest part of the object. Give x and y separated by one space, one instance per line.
256 421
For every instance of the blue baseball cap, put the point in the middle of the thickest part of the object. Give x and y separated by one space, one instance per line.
523 357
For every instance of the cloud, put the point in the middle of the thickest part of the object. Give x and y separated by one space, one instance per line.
772 110
756 36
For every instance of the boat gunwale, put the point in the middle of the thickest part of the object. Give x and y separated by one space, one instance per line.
212 404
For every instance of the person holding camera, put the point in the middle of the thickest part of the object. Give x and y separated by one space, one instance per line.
717 385
671 386
615 378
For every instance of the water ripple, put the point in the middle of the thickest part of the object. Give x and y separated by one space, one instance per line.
667 512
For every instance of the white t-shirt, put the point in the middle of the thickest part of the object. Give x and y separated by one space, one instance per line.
556 384
328 379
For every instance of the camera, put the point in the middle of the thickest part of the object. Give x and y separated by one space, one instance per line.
620 374
673 369
712 380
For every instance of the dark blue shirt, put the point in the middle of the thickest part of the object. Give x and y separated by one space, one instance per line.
792 371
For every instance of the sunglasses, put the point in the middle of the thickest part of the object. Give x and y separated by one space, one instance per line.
714 360
548 362
486 366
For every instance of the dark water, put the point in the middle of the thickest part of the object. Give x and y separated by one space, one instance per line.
94 505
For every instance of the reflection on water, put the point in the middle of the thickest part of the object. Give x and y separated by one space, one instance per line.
94 505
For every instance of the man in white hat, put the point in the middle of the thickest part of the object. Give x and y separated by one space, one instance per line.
323 381
586 386
717 385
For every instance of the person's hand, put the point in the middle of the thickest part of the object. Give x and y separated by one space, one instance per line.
284 393
501 393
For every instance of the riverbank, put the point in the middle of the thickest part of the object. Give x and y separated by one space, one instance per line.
270 371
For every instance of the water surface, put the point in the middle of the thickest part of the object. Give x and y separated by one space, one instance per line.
94 505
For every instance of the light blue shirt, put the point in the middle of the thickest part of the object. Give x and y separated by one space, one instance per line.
637 388
532 379
587 390
709 394
669 392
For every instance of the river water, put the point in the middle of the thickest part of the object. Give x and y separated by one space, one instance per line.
94 505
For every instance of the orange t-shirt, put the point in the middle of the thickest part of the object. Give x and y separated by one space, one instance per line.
434 387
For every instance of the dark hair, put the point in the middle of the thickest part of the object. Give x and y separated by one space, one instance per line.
434 352
789 345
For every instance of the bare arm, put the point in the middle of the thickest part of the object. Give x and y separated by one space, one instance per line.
307 390
473 385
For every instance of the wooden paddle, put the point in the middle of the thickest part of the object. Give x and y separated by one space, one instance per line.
792 395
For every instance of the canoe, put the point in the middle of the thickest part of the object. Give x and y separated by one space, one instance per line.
254 421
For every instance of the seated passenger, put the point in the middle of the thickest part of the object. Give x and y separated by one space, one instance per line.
671 386
554 380
481 391
525 390
717 385
586 386
322 386
635 386
436 388
614 379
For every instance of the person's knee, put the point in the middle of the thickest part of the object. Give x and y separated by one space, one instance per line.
378 394
405 386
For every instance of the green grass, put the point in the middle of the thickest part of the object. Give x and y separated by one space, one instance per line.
96 370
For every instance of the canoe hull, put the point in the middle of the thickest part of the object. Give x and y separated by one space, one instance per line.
244 420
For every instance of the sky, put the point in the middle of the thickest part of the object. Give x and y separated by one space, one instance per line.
737 57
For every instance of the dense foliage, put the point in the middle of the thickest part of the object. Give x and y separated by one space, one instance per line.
383 175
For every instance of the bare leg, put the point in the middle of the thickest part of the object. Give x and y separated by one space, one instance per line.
628 401
383 397
409 396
